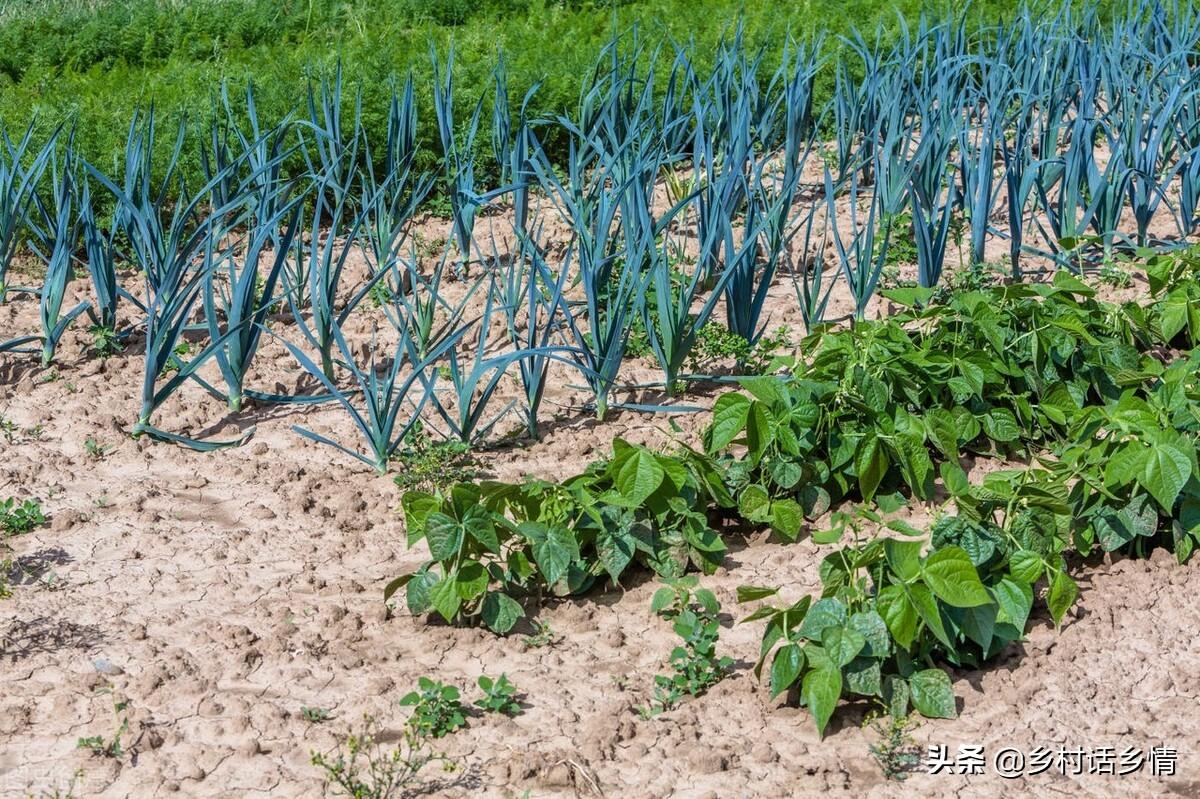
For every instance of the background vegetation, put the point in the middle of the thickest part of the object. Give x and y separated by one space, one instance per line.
96 61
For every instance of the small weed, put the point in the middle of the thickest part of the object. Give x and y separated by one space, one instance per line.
95 449
542 636
20 518
60 793
431 465
380 294
8 428
37 432
105 342
499 696
111 747
716 344
1115 275
896 752
363 769
182 348
314 715
102 501
437 710
902 243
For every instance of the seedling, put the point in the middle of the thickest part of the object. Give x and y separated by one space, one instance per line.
111 747
695 665
542 635
437 710
95 449
363 769
499 696
314 715
105 342
679 594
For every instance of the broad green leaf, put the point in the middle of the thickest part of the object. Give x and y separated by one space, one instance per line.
939 424
899 614
754 504
979 624
1126 465
864 676
1174 313
827 612
1111 528
728 420
418 590
904 558
417 506
954 478
472 581
932 694
786 518
1167 470
615 550
895 696
815 501
750 593
445 597
444 535
1000 425
785 668
1015 600
767 388
553 549
821 689
842 644
952 577
662 600
874 631
639 476
396 584
927 608
785 473
478 523
871 463
500 612
1025 566
1062 595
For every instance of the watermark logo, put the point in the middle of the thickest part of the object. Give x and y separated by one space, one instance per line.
1011 762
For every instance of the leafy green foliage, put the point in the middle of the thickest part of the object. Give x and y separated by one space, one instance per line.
20 517
436 709
679 594
494 541
499 696
695 666
1175 284
878 404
